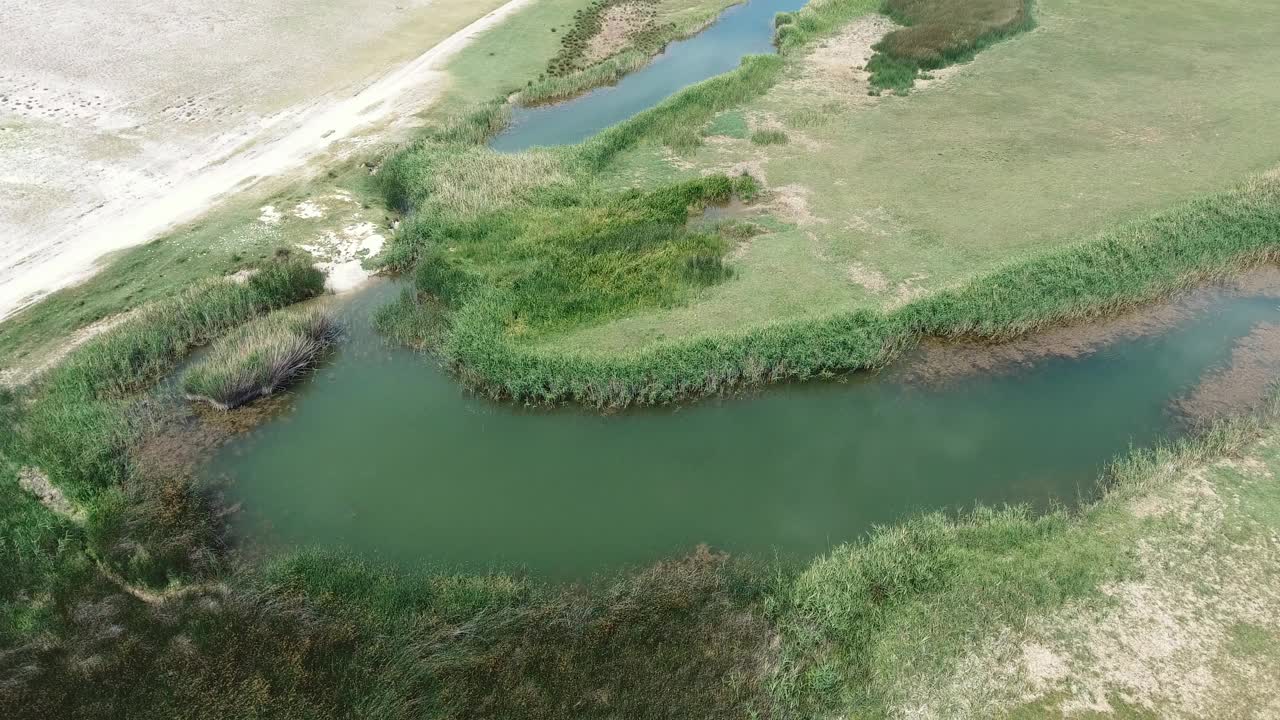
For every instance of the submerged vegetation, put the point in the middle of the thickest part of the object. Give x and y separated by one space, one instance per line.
261 358
940 33
80 419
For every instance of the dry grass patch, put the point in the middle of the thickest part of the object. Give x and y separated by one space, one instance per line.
1194 631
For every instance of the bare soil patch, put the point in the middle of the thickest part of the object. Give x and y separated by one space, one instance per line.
165 106
1159 642
835 70
38 484
618 25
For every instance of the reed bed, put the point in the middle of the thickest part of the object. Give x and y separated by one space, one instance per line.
940 33
1137 262
262 358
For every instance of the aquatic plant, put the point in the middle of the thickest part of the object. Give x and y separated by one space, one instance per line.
261 358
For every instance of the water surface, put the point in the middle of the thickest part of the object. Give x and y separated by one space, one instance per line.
385 454
745 29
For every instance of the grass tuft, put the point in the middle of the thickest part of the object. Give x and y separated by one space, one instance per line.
79 423
261 358
769 137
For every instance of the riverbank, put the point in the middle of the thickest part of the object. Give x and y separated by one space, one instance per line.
1047 613
521 486
509 334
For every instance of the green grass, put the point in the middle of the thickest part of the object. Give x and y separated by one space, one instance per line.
677 121
1040 142
1133 263
261 358
728 124
77 427
538 319
564 260
228 240
941 33
858 632
562 87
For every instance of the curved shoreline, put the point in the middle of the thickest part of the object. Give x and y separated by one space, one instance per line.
1133 264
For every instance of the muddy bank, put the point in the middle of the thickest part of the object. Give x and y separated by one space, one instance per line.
941 360
177 437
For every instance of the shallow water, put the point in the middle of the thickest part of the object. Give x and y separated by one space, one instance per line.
383 453
742 30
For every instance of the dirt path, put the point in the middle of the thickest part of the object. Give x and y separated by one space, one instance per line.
63 253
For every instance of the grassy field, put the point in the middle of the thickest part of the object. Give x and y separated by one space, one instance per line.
1100 115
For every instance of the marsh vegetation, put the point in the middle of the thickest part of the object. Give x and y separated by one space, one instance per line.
939 33
540 276
261 358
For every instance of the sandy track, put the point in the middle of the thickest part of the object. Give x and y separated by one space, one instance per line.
57 254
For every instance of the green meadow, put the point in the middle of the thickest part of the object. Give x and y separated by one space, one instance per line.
1101 115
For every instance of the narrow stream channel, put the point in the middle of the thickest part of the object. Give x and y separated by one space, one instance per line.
383 453
744 29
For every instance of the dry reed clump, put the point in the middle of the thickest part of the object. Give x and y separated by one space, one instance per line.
685 638
262 358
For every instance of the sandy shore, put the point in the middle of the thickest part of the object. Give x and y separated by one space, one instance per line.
122 118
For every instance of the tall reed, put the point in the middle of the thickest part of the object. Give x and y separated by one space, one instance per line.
261 358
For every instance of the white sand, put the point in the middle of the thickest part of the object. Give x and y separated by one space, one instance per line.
122 118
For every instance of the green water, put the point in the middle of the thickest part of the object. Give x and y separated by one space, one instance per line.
383 453
744 29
